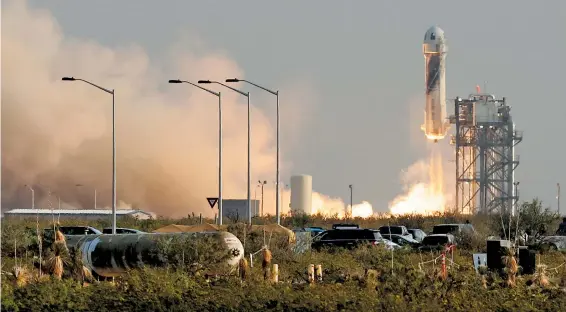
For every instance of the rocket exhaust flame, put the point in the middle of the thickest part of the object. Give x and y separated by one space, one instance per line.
425 189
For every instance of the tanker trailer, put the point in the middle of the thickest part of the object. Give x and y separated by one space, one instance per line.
108 255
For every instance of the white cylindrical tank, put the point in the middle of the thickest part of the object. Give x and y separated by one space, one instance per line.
301 194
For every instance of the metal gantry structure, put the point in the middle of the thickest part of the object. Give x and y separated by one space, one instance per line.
485 140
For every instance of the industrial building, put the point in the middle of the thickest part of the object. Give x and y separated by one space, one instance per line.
85 214
485 142
237 209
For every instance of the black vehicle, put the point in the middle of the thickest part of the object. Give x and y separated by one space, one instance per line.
394 229
454 228
345 226
437 241
561 228
348 238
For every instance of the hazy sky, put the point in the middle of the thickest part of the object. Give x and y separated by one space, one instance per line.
364 64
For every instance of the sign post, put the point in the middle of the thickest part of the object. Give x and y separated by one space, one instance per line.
212 201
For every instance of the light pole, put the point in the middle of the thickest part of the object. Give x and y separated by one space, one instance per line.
246 94
36 224
219 95
558 197
261 184
351 199
32 196
95 195
276 93
113 92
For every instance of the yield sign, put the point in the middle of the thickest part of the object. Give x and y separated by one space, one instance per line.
212 201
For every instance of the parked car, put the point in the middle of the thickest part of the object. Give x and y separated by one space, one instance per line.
344 226
395 229
72 234
553 243
349 238
453 228
402 240
122 231
315 231
418 234
561 228
437 241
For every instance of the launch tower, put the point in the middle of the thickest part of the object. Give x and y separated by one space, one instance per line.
485 139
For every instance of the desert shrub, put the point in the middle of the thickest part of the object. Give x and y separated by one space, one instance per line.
23 237
532 219
412 221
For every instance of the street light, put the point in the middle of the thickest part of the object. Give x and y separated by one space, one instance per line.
558 197
95 195
36 224
351 199
246 94
219 142
276 93
32 196
113 145
261 184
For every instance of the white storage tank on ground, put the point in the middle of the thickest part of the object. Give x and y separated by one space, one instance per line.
301 194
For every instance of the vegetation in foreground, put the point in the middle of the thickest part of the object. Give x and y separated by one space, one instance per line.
364 279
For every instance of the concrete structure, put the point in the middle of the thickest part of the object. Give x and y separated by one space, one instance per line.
237 209
301 194
89 214
436 122
485 142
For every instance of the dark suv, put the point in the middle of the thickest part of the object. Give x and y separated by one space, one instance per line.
347 238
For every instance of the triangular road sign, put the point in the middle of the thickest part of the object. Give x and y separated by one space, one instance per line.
212 201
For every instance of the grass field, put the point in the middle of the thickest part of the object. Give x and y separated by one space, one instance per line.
364 279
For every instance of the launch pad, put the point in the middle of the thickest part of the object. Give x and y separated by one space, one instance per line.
485 140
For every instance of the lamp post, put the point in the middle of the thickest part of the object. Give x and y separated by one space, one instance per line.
351 199
246 94
32 196
95 195
36 224
112 92
276 93
219 95
558 197
261 184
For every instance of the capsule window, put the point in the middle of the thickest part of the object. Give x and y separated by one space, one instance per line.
432 36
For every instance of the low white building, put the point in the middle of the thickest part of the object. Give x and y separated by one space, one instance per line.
91 214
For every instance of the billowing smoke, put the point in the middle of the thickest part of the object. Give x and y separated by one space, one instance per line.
57 134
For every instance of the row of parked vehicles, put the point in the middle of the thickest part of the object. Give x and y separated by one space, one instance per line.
393 237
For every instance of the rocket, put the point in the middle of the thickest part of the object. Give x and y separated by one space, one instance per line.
434 49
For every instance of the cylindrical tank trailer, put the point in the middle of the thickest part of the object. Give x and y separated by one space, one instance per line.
110 255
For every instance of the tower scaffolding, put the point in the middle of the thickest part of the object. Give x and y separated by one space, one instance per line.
485 141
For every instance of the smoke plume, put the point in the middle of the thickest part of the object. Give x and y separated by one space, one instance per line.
56 134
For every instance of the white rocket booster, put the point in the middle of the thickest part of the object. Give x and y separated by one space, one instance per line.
434 49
